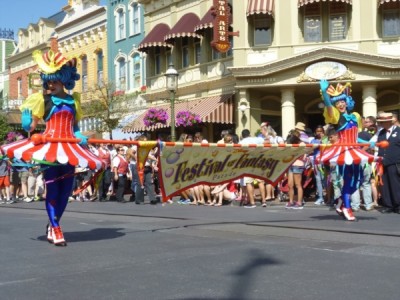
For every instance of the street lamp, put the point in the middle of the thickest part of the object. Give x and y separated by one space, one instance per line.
172 85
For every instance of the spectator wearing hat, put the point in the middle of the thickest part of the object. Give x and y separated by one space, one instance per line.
390 162
301 128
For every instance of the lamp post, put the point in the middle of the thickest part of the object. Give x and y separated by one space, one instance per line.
172 85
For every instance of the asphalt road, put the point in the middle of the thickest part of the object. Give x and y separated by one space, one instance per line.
128 251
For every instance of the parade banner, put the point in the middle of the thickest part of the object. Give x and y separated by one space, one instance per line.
183 165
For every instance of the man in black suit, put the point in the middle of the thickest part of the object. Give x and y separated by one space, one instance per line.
391 163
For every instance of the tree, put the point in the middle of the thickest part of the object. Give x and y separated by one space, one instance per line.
106 104
4 126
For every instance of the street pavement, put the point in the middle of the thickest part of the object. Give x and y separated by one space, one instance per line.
170 251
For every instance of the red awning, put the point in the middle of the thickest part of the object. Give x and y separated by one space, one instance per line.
304 2
214 109
155 38
260 7
385 1
206 22
184 27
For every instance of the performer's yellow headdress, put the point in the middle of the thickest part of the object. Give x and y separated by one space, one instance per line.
340 89
50 62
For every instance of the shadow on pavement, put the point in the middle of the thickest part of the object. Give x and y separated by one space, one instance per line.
96 234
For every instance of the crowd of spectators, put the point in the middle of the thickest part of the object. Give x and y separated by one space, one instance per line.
119 182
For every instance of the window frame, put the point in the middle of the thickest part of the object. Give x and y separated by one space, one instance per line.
257 19
134 26
85 63
390 8
120 23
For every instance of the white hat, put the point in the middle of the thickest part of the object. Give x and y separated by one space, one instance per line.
385 117
300 126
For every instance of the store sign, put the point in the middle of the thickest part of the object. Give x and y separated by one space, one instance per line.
325 70
221 26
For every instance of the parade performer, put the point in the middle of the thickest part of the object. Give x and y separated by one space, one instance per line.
61 112
348 160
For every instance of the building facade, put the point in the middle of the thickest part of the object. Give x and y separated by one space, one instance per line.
126 64
83 34
274 64
7 47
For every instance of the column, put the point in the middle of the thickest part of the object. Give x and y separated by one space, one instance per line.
243 111
369 107
288 111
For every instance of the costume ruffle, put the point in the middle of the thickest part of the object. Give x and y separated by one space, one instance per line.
345 155
59 126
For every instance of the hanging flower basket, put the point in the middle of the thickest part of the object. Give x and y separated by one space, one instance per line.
14 136
187 118
154 116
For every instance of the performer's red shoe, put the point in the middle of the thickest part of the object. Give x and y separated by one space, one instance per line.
58 237
348 214
49 233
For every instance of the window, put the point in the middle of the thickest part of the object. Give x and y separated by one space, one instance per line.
84 73
337 21
325 21
121 74
185 52
312 23
197 52
135 18
168 58
19 88
157 61
100 59
391 19
137 78
120 24
262 30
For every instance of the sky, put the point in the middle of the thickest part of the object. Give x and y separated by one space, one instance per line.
16 14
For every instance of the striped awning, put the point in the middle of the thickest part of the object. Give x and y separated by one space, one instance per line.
206 22
304 2
260 7
184 27
213 109
155 38
386 1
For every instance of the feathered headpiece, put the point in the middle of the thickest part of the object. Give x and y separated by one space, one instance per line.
50 62
339 90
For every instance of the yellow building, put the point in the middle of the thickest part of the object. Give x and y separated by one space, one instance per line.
274 66
83 34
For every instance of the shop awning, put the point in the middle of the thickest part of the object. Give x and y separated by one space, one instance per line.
386 1
260 7
304 2
213 109
206 22
184 27
155 38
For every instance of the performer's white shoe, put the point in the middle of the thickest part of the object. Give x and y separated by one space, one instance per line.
339 207
49 233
